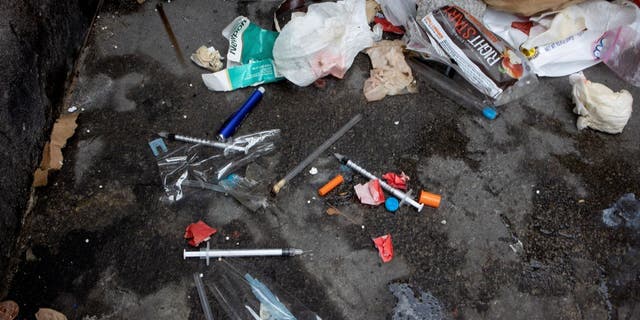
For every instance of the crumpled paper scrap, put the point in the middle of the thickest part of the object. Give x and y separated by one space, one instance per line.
49 314
9 310
385 247
370 193
391 75
208 58
198 232
63 129
396 181
598 106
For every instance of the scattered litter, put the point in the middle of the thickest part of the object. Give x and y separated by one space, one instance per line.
396 122
404 197
386 25
208 58
599 107
249 60
316 153
409 307
241 295
488 63
332 184
443 222
248 42
237 253
385 247
430 199
371 7
370 193
313 171
621 52
202 166
452 90
157 145
243 189
234 121
72 109
396 181
324 41
9 310
202 294
52 157
391 204
529 8
625 212
49 314
390 74
169 30
198 232
474 7
398 11
332 211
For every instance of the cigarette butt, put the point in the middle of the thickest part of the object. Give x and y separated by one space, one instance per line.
332 184
430 199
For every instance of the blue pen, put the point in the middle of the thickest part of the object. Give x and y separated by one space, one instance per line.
233 122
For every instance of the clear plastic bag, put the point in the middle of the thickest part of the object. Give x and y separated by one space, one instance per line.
242 189
202 163
242 296
622 53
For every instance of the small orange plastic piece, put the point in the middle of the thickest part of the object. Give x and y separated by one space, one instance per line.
332 184
430 199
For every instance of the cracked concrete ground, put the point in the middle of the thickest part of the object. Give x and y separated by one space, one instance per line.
519 234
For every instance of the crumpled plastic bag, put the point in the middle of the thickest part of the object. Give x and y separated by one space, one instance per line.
567 42
391 75
597 17
325 41
398 11
598 106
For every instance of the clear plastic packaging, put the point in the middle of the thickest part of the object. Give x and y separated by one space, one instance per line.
485 61
242 189
202 164
622 53
241 296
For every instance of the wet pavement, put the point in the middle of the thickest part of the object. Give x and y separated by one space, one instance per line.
519 234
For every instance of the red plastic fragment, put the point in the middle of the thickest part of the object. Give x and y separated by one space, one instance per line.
396 181
524 26
385 247
198 232
388 26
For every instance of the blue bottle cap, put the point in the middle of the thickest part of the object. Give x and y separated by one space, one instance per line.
489 113
391 204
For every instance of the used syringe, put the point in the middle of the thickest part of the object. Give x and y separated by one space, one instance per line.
451 89
236 253
215 144
402 196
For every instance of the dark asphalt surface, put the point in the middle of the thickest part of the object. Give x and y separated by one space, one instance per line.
519 234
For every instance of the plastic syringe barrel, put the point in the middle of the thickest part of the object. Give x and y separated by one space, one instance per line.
397 193
451 89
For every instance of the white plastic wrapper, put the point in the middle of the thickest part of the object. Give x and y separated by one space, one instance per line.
598 107
325 41
565 42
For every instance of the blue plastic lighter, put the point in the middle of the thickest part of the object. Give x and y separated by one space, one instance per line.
233 122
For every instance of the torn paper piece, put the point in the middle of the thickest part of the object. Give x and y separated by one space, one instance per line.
396 181
208 58
385 247
8 310
49 314
198 232
598 106
370 193
52 158
391 74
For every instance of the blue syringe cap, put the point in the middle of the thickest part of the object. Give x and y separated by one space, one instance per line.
489 112
392 204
